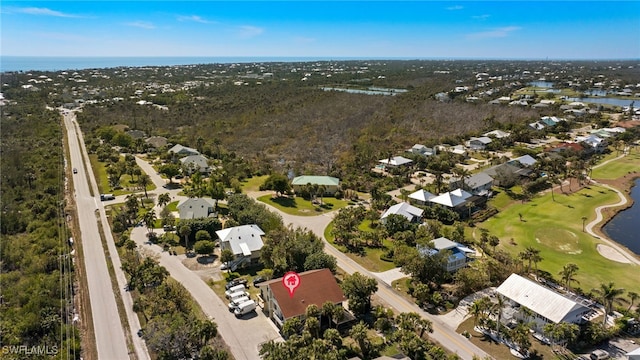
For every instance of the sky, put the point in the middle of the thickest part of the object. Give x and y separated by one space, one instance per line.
363 29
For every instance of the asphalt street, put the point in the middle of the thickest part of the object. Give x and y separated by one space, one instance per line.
109 332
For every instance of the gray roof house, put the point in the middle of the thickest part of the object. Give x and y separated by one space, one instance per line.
195 163
478 143
498 134
477 184
459 257
412 213
196 208
420 149
243 241
157 141
547 305
183 150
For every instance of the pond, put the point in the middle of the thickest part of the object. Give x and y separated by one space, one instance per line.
606 101
623 228
541 84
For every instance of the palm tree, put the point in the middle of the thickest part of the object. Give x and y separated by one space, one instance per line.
476 309
609 295
633 296
185 231
497 310
164 199
359 333
463 174
149 220
567 273
143 181
530 254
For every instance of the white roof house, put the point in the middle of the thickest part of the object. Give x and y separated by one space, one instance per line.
245 240
421 196
420 149
411 212
541 300
452 198
634 354
396 161
498 134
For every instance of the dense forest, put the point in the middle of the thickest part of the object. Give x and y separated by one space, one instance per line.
37 276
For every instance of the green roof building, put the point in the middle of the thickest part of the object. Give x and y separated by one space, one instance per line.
330 183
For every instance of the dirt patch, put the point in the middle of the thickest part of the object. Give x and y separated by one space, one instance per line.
612 254
561 240
201 263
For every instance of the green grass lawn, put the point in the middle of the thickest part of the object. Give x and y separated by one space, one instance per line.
555 228
253 184
100 172
370 260
172 206
618 168
301 207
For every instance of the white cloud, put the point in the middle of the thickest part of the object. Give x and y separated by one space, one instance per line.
248 31
44 11
481 17
141 24
456 7
195 18
495 33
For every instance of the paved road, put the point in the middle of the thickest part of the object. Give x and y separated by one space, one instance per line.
109 333
243 336
442 333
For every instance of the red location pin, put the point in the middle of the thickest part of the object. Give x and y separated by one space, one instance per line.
291 281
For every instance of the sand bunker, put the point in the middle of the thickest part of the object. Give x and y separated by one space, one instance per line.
612 254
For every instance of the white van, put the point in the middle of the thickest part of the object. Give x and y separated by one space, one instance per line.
237 295
234 289
245 308
234 303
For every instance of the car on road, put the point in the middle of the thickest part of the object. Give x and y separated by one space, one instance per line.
75 171
105 197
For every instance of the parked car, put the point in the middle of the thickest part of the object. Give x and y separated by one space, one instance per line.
237 295
245 308
257 280
234 289
599 354
235 282
105 197
234 303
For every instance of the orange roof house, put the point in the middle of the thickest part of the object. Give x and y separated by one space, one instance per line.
316 287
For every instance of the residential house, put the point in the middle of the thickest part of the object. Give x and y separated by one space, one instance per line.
511 170
551 120
157 141
459 255
421 197
244 241
412 213
547 305
395 161
524 160
316 287
594 143
452 199
331 184
196 208
193 163
478 143
537 125
477 184
457 149
183 150
567 146
419 149
498 134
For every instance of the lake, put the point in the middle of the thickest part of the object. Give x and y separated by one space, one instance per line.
541 84
623 228
605 100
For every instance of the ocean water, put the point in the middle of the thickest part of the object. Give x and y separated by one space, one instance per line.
55 63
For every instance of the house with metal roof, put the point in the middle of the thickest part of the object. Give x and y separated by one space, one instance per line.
478 143
196 208
395 161
244 241
421 197
476 184
412 213
183 150
547 305
420 149
330 183
452 199
193 163
459 255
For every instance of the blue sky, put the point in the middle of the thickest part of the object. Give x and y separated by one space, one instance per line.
376 29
